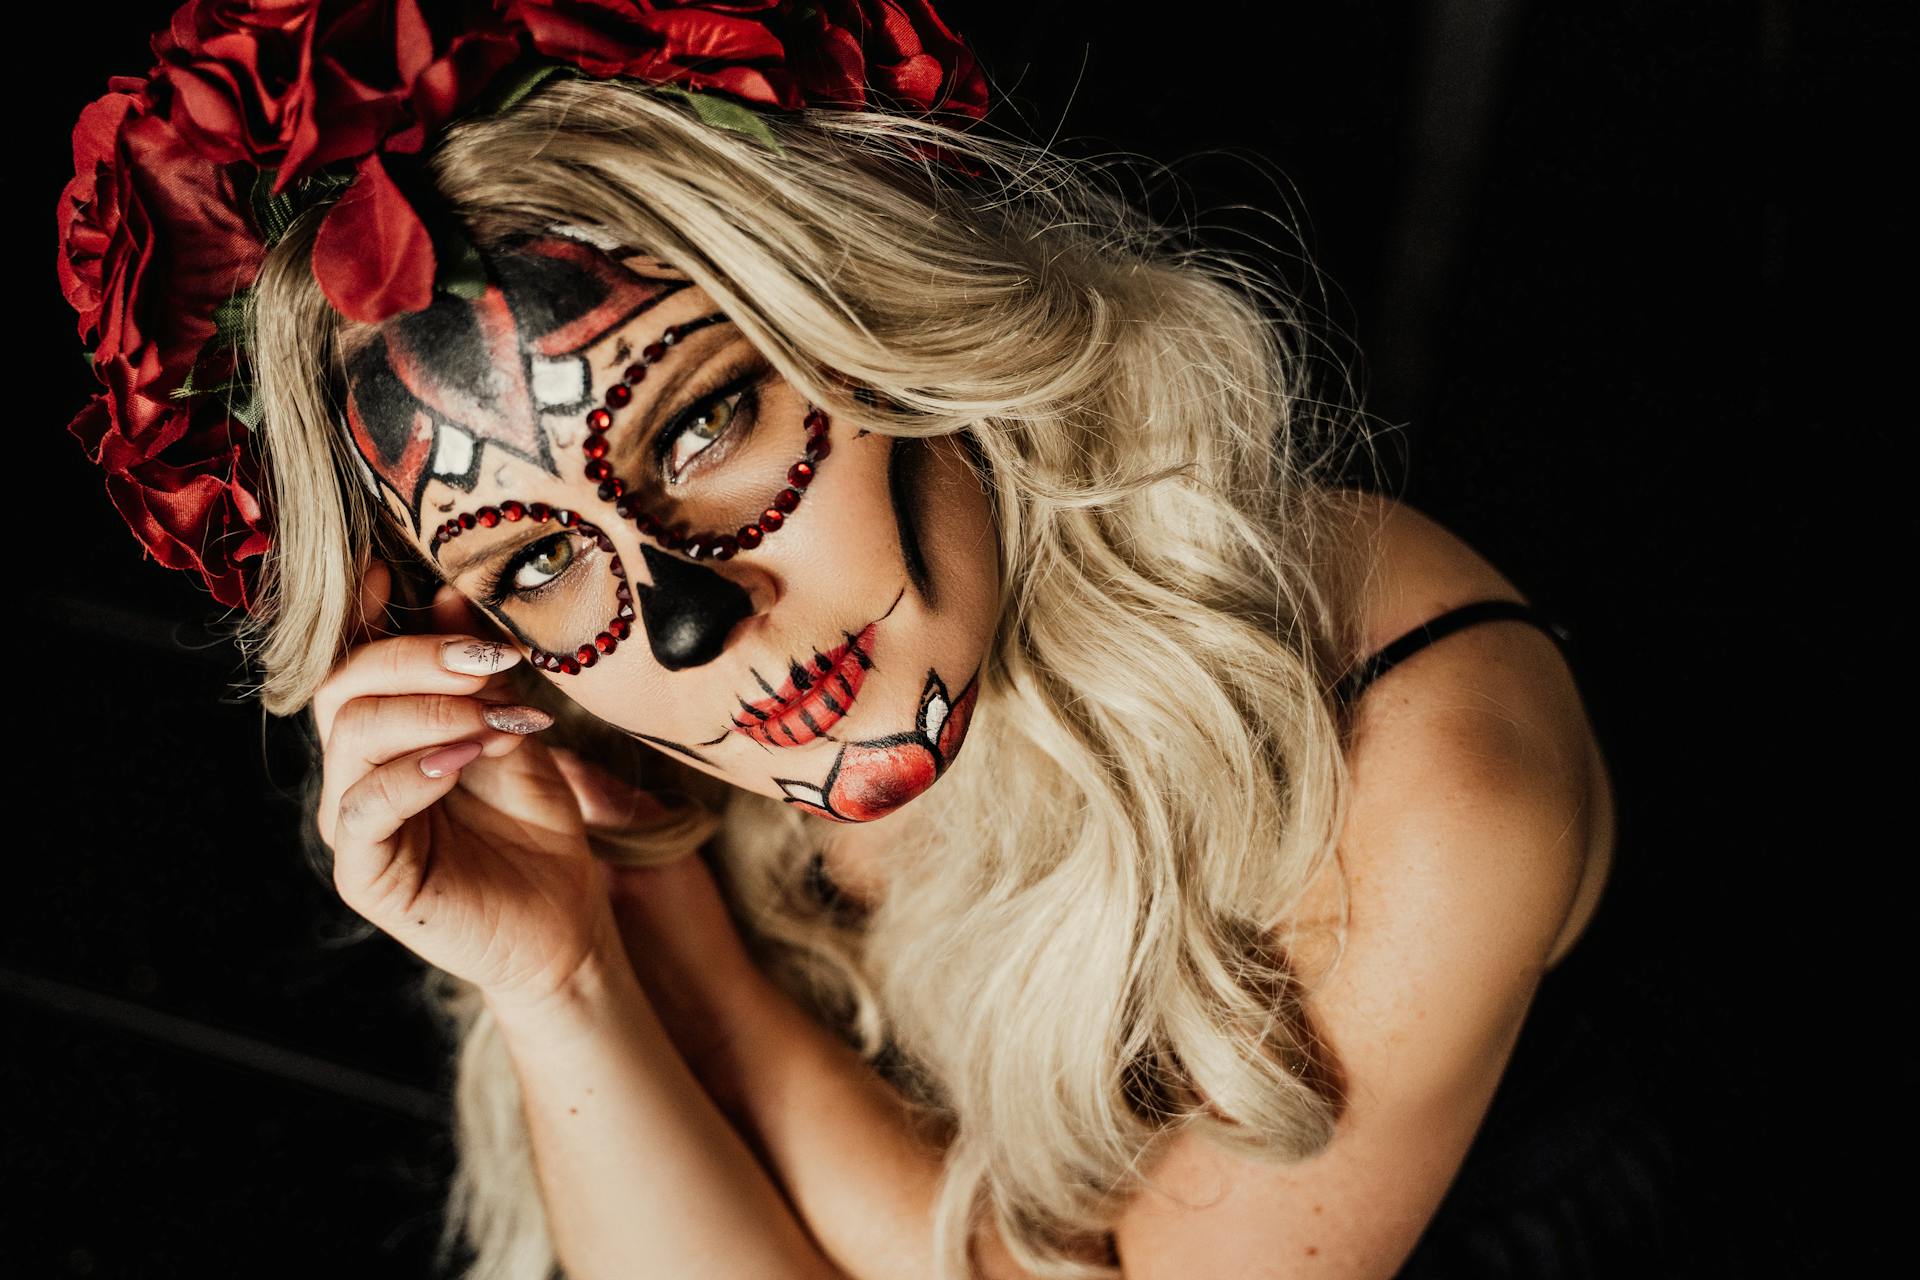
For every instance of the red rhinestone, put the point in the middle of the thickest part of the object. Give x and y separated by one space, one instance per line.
625 613
619 395
647 524
513 509
489 517
540 511
635 372
816 420
599 420
586 655
725 546
623 509
569 666
567 519
652 352
599 469
819 446
620 628
749 536
623 593
787 499
466 520
672 539
608 490
771 519
615 567
604 642
800 474
595 447
695 548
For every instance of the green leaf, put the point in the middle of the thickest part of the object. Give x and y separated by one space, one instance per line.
507 91
230 319
725 113
459 268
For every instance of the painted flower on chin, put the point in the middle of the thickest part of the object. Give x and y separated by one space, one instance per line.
869 780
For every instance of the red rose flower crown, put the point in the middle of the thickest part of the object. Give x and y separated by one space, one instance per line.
256 110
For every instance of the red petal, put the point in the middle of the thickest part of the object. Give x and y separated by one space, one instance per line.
372 256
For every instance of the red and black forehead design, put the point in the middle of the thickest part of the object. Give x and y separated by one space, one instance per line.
434 387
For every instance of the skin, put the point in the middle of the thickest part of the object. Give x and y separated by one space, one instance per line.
834 666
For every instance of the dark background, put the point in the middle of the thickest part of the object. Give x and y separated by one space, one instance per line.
1609 266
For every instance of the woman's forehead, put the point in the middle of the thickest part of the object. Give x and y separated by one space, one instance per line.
429 391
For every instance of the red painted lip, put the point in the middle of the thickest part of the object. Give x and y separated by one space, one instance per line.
793 716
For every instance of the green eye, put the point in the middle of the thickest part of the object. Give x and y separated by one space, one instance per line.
540 565
700 431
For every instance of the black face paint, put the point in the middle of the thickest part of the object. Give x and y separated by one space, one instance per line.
688 610
434 388
906 486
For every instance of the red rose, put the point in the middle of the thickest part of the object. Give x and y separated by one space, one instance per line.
899 47
733 47
298 84
195 506
152 240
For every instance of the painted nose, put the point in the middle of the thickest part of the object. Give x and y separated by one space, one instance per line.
688 610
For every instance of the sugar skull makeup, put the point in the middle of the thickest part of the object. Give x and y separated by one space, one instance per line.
595 454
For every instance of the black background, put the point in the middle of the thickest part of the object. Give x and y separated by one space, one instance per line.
1610 265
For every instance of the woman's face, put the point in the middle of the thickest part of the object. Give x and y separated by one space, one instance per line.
834 664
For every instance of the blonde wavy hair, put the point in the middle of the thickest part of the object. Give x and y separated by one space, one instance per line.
1083 948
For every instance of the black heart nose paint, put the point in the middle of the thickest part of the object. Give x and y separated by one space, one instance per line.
688 610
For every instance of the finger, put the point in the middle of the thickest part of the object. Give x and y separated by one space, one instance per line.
409 664
606 803
371 732
452 613
368 871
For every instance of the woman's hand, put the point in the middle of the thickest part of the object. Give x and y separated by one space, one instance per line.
461 840
689 956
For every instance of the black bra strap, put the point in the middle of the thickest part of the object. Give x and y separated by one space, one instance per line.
1445 624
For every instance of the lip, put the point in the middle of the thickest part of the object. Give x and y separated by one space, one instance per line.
814 697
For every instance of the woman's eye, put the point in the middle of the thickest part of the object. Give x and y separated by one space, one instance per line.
541 563
699 431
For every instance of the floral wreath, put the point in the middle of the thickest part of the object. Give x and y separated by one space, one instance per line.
257 110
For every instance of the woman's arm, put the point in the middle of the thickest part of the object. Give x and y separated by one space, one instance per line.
640 1173
843 1143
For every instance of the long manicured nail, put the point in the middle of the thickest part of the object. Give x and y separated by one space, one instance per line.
514 718
447 759
477 657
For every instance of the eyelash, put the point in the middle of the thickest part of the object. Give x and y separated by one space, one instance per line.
494 591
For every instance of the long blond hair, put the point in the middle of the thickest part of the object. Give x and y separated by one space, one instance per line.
1082 949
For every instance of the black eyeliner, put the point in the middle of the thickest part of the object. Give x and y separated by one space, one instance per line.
746 375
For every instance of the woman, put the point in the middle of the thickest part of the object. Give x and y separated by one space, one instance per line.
845 654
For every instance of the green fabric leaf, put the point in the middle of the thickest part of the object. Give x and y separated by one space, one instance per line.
506 91
725 113
460 270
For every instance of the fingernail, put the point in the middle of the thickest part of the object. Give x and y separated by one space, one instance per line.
447 759
517 719
477 657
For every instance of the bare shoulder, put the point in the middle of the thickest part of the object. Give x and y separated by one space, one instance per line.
1467 851
1491 711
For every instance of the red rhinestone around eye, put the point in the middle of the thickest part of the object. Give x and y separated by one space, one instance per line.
599 420
787 499
749 536
619 395
513 509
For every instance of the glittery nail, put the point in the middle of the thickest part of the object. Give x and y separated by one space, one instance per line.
517 719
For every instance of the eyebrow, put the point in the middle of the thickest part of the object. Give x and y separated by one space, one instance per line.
664 392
